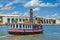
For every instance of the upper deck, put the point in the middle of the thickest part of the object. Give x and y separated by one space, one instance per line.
24 26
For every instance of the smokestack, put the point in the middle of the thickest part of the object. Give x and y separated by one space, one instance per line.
31 15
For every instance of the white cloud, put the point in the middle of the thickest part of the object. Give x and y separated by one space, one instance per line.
32 3
57 0
9 4
54 15
1 5
12 13
26 14
1 13
48 4
19 1
15 1
7 8
36 9
39 3
16 13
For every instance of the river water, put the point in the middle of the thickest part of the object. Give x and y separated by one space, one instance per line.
49 33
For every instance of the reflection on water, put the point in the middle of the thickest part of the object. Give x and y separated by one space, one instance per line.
50 33
21 37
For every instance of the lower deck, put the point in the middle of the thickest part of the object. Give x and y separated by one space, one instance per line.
25 32
29 31
24 28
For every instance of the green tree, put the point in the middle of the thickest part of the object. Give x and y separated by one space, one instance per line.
6 23
15 21
39 19
52 20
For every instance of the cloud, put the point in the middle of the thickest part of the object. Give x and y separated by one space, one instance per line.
33 3
20 1
12 13
1 5
36 9
15 1
9 4
7 8
1 13
26 14
57 0
48 4
16 13
55 15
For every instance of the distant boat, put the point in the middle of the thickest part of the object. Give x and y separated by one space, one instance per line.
25 28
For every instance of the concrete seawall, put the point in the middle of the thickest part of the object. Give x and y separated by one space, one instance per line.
42 24
51 24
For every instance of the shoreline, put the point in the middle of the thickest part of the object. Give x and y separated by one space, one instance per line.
51 24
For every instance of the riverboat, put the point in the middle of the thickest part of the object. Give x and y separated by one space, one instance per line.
25 28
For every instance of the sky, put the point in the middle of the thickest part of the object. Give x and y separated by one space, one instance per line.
44 8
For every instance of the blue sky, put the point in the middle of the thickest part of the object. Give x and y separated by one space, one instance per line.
45 8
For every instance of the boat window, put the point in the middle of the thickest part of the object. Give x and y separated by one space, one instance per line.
20 25
13 25
23 25
16 25
30 26
26 26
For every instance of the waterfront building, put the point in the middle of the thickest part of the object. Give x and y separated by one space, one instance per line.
58 21
43 20
11 18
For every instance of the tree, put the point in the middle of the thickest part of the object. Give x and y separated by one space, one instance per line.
52 20
6 23
39 19
15 21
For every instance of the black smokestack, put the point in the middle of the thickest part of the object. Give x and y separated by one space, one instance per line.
31 15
